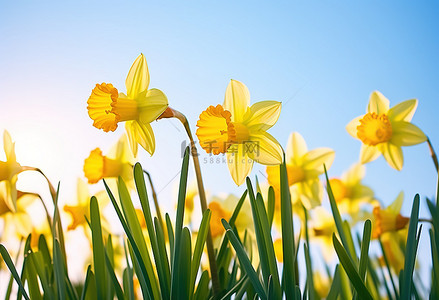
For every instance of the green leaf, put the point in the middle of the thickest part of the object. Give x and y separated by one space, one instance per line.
410 251
364 256
171 239
8 261
334 291
163 254
202 291
350 269
116 285
59 270
89 290
270 205
198 249
245 262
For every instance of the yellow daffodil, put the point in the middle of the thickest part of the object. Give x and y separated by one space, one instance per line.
138 108
81 210
9 170
119 162
278 250
392 242
384 130
349 192
389 219
222 208
16 222
303 168
320 230
240 130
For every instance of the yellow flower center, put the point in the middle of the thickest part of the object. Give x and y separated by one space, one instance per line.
106 108
295 174
97 166
218 213
238 133
339 189
386 221
374 129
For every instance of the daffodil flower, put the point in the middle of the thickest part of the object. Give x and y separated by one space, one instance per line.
9 170
389 219
119 162
138 108
384 130
241 131
81 209
303 169
349 192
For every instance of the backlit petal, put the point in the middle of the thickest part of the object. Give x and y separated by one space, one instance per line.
351 128
407 134
378 103
315 159
142 134
151 105
264 149
392 154
239 163
8 145
368 153
355 174
403 111
264 114
237 100
138 77
296 147
311 193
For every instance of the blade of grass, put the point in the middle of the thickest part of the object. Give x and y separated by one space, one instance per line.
116 285
8 261
364 256
89 290
98 249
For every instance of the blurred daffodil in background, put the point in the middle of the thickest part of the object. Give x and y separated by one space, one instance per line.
240 130
389 219
303 168
138 108
384 130
118 162
349 192
9 170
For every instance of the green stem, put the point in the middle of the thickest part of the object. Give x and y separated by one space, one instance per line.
209 241
433 155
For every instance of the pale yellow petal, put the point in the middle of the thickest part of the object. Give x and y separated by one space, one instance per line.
396 205
311 193
239 163
151 105
315 159
368 153
82 191
138 77
355 174
403 111
406 134
237 100
264 148
296 147
378 103
263 115
393 155
351 128
8 145
142 134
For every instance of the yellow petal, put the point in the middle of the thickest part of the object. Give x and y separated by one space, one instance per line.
396 205
378 103
311 193
8 145
403 111
355 174
142 134
296 147
151 105
82 191
368 153
264 149
237 100
314 159
263 115
239 163
351 128
406 134
393 155
138 77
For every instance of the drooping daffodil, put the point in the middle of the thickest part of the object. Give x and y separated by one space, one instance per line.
389 219
384 130
240 130
9 170
303 169
138 108
118 162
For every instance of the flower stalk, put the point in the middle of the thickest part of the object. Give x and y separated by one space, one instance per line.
169 113
433 154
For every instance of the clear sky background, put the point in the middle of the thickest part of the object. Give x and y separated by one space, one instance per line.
322 59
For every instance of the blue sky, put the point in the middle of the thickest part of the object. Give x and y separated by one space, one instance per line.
321 59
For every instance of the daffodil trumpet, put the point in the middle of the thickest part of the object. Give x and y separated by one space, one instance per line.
173 113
